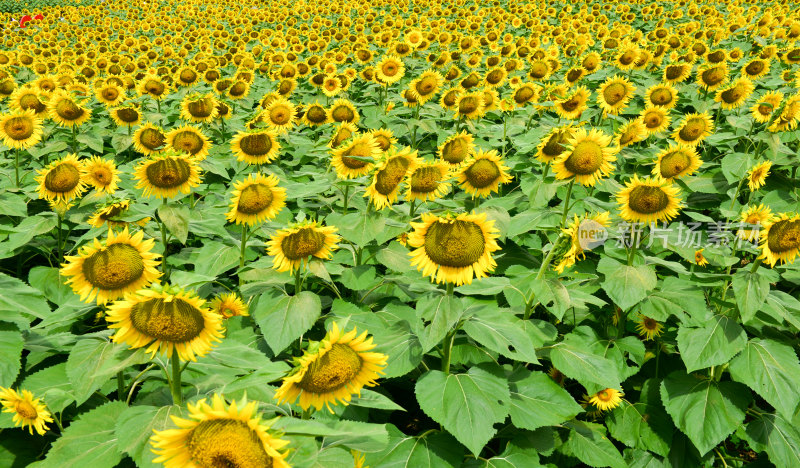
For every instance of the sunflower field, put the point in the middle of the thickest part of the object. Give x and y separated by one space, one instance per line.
520 233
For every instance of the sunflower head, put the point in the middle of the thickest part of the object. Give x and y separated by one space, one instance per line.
587 157
126 115
20 129
315 114
457 148
677 161
27 411
257 146
428 181
292 247
647 327
149 139
694 128
190 140
61 180
391 171
780 239
199 108
757 175
229 305
167 173
67 111
255 199
648 200
343 110
356 157
102 174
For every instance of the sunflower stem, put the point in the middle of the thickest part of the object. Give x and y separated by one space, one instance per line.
176 378
416 124
505 132
75 139
298 281
546 171
447 346
736 195
658 354
164 242
566 202
120 386
16 166
412 210
58 240
345 197
756 264
450 289
242 252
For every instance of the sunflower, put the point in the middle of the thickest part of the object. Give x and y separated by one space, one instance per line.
469 105
219 435
457 148
648 328
661 95
257 146
343 110
333 370
165 319
677 161
389 70
153 86
711 77
20 129
102 174
189 139
449 99
128 115
331 85
584 231
229 305
199 108
483 173
755 68
122 264
344 131
789 117
573 104
553 144
27 411
693 129
495 77
280 115
61 180
255 199
614 94
587 157
425 87
699 258
28 97
780 239
428 181
677 73
389 173
165 174
757 175
606 399
454 249
648 200
762 110
293 246
315 114
238 90
66 111
633 131
149 139
734 95
384 137
186 76
108 213
356 157
754 217
655 119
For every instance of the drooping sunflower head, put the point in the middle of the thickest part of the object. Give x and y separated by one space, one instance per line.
255 199
356 157
28 97
631 132
219 435
28 411
425 87
165 319
257 146
655 119
66 110
126 115
384 137
554 144
20 129
614 94
763 109
457 148
587 157
711 77
693 129
780 239
483 173
469 105
315 114
292 247
229 305
662 95
166 174
389 173
343 110
735 94
757 175
333 370
61 179
199 108
429 181
453 249
102 174
122 264
573 105
149 139
154 86
677 161
190 140
649 200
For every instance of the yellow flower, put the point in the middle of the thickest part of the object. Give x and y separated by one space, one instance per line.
735 94
757 175
780 239
166 174
655 119
607 399
647 327
763 109
572 106
389 70
102 174
756 216
189 139
28 411
428 181
199 108
614 94
483 173
554 144
333 370
693 129
343 110
662 95
648 200
457 148
677 161
633 131
20 129
229 305
255 199
61 180
149 139
356 157
390 172
257 146
280 115
587 157
292 247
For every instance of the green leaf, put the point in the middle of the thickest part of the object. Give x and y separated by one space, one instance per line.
552 294
589 443
95 360
512 457
135 426
92 140
644 424
215 258
775 435
626 285
771 369
502 332
358 228
432 450
441 312
583 365
467 405
750 290
706 411
361 436
20 302
89 441
663 302
13 204
537 401
52 385
711 345
282 319
176 218
49 281
10 356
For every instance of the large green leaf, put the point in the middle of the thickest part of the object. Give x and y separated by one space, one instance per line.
283 319
135 427
512 457
583 365
588 442
644 424
705 410
89 441
711 345
626 285
440 313
19 302
355 435
750 290
176 218
771 369
467 405
52 385
10 356
431 450
502 332
674 297
775 435
537 401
